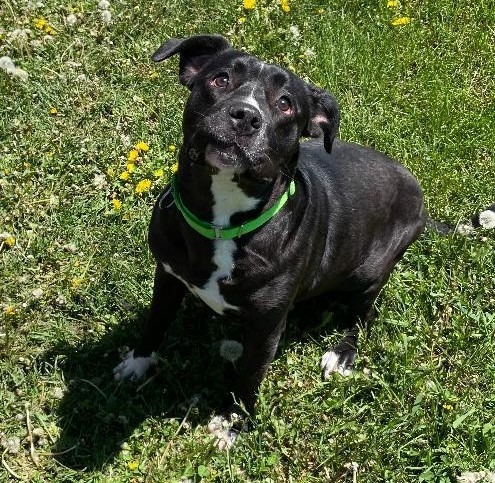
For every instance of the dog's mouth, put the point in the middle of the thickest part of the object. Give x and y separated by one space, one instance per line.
226 156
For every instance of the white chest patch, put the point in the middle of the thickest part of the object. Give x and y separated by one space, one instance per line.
228 199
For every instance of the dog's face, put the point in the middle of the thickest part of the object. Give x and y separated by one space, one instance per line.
244 114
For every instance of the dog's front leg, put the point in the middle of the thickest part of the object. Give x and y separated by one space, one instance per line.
261 338
168 293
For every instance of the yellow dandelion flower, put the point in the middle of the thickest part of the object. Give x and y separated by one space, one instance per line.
249 4
392 3
142 146
117 204
40 23
76 282
53 111
172 148
9 310
285 5
142 186
124 176
321 11
241 19
400 21
154 75
133 465
158 173
448 407
131 167
133 155
174 168
10 241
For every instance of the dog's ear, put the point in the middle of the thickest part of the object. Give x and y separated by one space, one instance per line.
194 52
324 117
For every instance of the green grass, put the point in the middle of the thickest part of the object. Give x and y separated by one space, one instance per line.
75 286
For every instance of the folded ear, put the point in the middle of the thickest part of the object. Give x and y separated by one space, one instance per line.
194 52
324 117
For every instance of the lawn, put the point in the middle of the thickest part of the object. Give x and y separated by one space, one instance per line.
89 133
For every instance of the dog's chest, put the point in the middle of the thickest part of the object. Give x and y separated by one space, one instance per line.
228 199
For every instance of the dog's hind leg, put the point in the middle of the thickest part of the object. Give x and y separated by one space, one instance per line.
358 312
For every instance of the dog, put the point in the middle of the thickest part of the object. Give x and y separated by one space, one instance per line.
256 221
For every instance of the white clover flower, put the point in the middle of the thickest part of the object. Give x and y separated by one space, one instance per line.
106 16
103 4
231 350
100 181
71 20
37 293
294 31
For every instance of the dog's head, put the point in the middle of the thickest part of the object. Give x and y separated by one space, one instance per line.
244 114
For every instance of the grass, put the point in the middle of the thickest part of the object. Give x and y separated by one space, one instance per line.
76 273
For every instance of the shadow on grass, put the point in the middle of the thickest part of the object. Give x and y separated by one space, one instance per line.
97 414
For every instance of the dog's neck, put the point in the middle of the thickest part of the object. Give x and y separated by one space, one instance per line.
224 198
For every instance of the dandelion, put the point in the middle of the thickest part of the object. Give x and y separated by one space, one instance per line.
106 16
42 24
142 146
9 67
143 186
131 167
231 350
158 173
249 4
9 310
133 155
7 240
53 111
132 465
174 167
154 75
116 204
392 3
76 282
285 5
172 148
124 176
104 5
37 293
401 21
241 19
448 407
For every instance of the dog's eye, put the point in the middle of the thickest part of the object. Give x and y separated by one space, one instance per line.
283 103
221 80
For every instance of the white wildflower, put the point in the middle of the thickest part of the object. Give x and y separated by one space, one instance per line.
99 181
106 16
231 350
103 4
37 293
19 35
309 53
294 31
7 64
475 476
71 20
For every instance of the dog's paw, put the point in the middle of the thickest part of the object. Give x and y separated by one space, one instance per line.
337 361
133 368
225 430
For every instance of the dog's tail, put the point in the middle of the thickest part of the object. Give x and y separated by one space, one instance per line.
483 219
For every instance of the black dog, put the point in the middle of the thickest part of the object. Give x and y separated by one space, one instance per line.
255 222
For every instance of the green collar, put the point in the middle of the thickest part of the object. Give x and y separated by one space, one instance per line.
214 232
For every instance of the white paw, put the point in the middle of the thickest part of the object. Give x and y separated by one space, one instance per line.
133 368
330 362
221 428
487 219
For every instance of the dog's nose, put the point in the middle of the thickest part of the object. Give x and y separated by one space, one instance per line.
246 119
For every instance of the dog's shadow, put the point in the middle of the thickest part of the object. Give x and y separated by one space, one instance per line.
97 414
